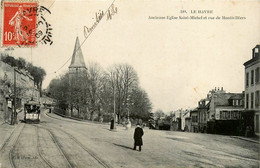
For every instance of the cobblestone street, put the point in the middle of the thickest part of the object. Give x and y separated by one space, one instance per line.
60 142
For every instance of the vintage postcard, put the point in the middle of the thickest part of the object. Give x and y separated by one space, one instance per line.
129 83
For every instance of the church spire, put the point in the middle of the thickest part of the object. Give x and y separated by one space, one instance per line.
77 57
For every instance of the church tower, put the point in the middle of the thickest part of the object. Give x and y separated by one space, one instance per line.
77 80
77 62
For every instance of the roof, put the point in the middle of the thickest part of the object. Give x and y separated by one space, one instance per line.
255 58
237 97
77 57
222 99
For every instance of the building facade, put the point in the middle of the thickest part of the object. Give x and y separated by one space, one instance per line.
203 107
252 89
224 114
194 120
23 83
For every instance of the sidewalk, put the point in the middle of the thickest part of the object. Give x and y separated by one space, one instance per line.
76 120
5 131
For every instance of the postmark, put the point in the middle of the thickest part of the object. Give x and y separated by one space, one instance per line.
44 28
19 21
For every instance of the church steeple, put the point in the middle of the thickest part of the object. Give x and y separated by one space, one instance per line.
77 57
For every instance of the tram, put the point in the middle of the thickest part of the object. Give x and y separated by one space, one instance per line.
32 112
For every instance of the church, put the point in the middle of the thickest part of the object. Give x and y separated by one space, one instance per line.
77 82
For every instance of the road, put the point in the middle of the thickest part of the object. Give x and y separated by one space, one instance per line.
64 143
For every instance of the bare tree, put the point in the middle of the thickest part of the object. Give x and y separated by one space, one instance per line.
94 87
123 80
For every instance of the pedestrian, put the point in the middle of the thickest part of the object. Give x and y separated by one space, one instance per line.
138 137
112 123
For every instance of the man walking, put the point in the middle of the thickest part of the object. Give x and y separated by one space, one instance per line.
138 137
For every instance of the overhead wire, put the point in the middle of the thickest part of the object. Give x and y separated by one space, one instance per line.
86 37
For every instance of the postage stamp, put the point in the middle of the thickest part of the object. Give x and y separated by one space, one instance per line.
19 21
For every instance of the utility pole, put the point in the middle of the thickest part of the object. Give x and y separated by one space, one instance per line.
112 124
14 116
114 106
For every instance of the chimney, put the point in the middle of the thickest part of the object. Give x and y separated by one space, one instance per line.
255 51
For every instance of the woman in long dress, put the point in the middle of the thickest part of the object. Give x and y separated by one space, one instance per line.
16 21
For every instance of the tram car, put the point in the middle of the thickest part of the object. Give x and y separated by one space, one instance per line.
32 112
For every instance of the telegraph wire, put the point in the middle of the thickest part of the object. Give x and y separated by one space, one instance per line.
84 39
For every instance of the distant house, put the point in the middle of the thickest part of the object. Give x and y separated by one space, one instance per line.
194 120
185 119
203 107
187 127
224 113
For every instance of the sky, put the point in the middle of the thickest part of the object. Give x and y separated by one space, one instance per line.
177 61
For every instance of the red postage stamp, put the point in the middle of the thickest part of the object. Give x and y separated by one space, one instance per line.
19 24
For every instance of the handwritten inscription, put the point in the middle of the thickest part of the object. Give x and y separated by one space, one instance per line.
111 12
98 17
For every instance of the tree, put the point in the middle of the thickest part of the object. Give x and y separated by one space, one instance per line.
95 92
21 63
123 79
159 114
38 73
140 105
94 87
78 94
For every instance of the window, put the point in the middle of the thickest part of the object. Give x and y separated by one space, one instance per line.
247 79
194 118
252 77
236 102
225 114
247 101
221 115
257 98
252 100
235 114
228 114
232 115
257 75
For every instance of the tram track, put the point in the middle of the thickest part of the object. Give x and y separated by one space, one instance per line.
100 161
57 144
87 150
12 155
38 150
92 154
8 139
13 147
60 149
